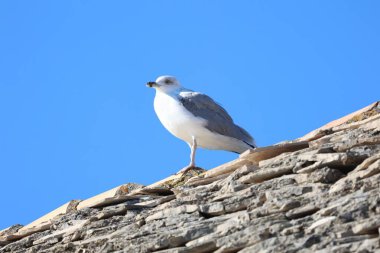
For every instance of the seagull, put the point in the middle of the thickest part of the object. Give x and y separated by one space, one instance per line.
197 119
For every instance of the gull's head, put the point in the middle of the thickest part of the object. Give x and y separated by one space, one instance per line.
165 84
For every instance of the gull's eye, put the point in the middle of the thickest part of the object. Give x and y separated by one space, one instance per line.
168 81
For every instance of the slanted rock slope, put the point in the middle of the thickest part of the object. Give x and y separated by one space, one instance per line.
319 193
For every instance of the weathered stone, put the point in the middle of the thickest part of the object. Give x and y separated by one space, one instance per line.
283 160
196 181
204 243
264 153
240 240
302 211
66 208
236 222
227 167
231 205
10 230
242 171
265 174
368 226
163 186
6 234
289 205
368 162
316 161
212 209
40 224
321 198
156 202
326 175
61 233
172 212
113 196
153 191
182 236
323 221
315 134
355 176
363 123
287 192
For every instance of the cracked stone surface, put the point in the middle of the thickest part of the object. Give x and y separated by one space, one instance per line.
321 198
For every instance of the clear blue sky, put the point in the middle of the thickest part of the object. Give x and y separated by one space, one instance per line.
77 119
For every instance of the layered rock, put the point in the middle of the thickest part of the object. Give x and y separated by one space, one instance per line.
320 193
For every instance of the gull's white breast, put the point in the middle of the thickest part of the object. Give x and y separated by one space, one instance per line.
175 118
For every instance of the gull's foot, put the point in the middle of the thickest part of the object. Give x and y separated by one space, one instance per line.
190 171
186 169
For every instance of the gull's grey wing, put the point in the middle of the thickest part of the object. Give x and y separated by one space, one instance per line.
217 118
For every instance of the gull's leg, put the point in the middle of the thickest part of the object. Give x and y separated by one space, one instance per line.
192 154
193 147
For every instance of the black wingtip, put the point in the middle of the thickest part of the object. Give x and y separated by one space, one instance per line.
251 145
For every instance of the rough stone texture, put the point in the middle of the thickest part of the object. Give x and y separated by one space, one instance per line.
324 197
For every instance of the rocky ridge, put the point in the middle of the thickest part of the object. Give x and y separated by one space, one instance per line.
319 193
